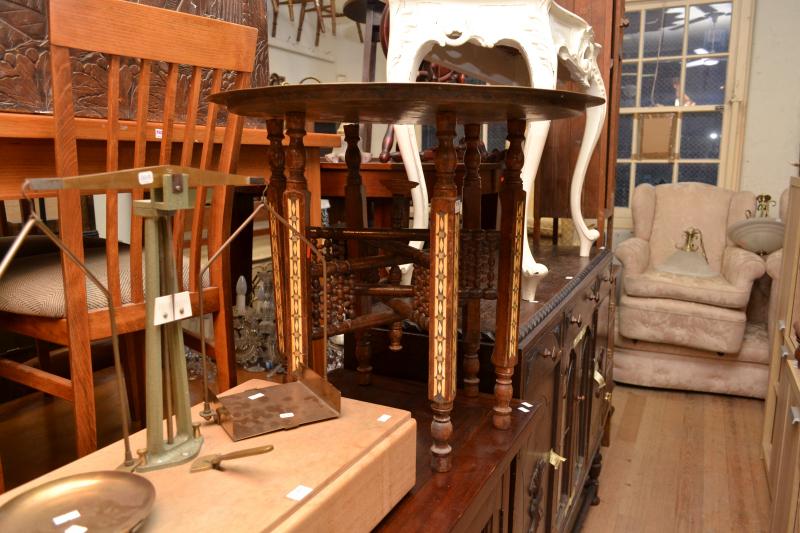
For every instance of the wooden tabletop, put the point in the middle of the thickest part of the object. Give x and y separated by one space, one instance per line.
405 103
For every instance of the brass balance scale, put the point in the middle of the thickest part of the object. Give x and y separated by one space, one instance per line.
120 499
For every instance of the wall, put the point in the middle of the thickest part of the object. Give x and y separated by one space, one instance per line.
772 130
335 59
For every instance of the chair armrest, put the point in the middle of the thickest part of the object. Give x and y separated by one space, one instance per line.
740 267
774 262
634 254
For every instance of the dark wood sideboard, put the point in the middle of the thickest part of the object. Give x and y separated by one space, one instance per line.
506 480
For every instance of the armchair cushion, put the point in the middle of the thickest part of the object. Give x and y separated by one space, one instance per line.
634 254
689 324
742 268
716 291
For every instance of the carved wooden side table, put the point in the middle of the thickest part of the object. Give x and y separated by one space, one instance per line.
491 267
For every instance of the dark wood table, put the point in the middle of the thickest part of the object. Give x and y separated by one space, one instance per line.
407 103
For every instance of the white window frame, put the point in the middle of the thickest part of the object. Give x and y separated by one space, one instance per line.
734 102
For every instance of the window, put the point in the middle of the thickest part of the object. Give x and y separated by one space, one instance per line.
677 64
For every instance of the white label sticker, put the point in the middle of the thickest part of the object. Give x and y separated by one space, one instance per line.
145 177
299 492
256 396
287 415
66 517
75 528
567 277
528 405
523 409
384 418
159 133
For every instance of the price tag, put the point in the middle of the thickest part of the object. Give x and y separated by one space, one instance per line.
384 418
256 396
286 415
299 492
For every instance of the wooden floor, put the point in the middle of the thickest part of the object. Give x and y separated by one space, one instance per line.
682 462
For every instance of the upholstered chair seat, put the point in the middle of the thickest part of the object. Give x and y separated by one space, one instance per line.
707 311
34 285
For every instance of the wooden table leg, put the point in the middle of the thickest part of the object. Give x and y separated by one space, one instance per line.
277 233
471 196
444 228
512 206
296 201
355 200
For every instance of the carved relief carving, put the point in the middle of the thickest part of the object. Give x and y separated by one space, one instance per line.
25 61
535 510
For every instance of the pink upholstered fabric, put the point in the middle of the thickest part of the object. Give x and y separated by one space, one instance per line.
707 327
715 291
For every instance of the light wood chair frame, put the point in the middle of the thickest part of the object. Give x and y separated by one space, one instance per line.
122 29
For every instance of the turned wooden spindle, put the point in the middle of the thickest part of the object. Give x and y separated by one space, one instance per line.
355 201
471 204
275 189
296 201
443 294
512 206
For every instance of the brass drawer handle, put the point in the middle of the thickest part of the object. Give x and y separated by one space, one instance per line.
576 320
781 325
551 353
795 414
593 297
784 351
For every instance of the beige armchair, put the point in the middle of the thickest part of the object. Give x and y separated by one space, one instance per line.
702 313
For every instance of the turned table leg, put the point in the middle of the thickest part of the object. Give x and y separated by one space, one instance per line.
277 233
512 225
471 198
296 200
444 228
355 201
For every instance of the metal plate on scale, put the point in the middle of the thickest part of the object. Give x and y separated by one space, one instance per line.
95 501
264 410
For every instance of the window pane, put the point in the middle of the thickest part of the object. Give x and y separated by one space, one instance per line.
625 136
630 37
700 135
653 173
622 192
702 172
628 90
661 82
709 28
663 32
705 81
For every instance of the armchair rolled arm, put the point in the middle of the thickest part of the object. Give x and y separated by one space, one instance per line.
634 254
774 262
740 267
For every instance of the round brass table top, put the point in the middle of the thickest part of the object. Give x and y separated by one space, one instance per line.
405 103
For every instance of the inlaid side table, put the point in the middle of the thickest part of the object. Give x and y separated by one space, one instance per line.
460 265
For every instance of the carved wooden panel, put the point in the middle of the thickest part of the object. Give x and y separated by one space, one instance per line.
25 70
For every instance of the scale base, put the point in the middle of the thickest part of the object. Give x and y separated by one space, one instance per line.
183 450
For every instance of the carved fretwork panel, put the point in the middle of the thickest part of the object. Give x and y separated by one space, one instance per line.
25 65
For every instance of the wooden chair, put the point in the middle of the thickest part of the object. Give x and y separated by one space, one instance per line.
323 11
276 4
49 299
